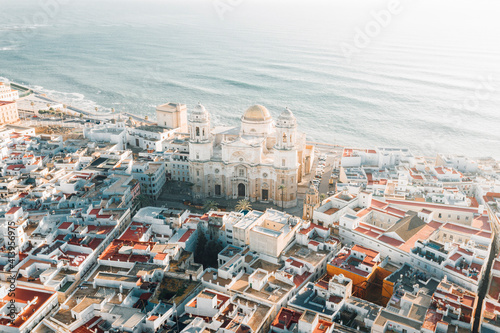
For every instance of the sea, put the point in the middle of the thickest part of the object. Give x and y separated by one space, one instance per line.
419 74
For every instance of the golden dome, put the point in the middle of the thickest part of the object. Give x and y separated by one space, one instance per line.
257 113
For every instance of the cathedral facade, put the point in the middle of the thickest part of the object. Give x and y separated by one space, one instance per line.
261 160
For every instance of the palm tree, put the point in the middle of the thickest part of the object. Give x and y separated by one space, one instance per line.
32 106
81 115
243 205
65 108
210 205
96 108
322 197
282 188
146 117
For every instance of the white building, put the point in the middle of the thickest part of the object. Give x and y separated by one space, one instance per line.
8 112
261 160
8 94
172 115
151 176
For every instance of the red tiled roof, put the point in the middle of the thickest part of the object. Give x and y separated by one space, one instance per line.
466 230
186 235
16 166
13 210
312 227
365 250
286 318
298 280
65 225
161 256
423 233
430 206
297 264
24 295
391 241
496 265
133 233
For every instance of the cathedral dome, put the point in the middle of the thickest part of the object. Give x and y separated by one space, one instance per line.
257 113
286 114
199 109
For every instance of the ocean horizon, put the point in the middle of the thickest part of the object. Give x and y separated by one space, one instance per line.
377 74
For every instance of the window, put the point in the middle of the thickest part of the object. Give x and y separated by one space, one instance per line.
283 162
242 173
197 131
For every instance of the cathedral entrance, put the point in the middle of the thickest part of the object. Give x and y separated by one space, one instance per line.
265 195
241 190
217 189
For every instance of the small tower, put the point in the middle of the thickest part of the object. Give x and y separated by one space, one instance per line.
199 125
286 159
200 148
311 203
286 130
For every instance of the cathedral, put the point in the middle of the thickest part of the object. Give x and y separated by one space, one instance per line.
261 160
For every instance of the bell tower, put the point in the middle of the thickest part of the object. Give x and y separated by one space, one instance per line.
286 130
311 202
286 159
200 149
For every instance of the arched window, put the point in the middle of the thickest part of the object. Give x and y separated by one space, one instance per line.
284 137
197 131
203 132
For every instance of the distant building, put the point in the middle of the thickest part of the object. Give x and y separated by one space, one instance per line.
8 94
8 112
172 115
151 176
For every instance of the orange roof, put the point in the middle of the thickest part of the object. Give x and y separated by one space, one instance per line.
24 295
423 233
365 250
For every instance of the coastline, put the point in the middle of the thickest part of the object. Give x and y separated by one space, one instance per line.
107 116
89 114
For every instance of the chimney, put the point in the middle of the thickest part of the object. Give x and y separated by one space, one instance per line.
214 276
